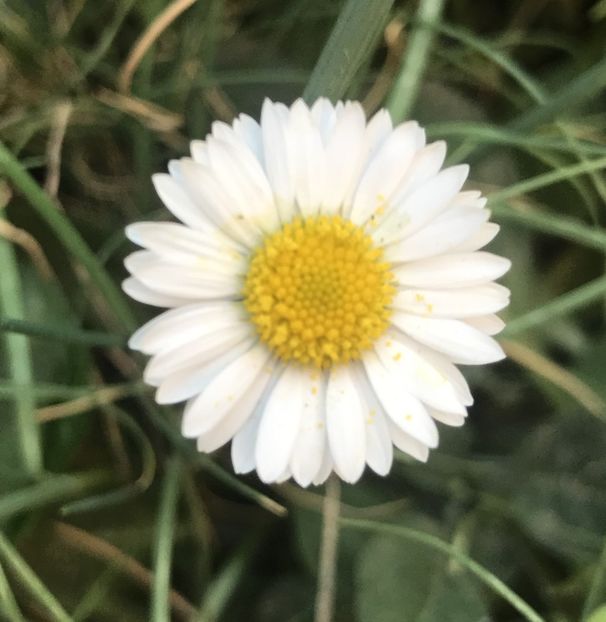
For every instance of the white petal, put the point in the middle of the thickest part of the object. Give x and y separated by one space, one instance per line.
416 373
324 117
308 159
135 289
460 342
451 419
179 326
384 172
483 236
220 430
249 132
452 271
452 373
280 424
425 166
345 153
179 243
345 416
406 443
215 201
244 181
325 470
421 206
199 152
224 391
489 324
185 281
186 383
379 447
177 200
197 352
470 198
378 129
310 446
243 444
467 302
276 154
245 440
443 234
284 476
403 408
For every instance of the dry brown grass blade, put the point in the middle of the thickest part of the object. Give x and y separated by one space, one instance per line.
554 373
394 36
79 405
100 549
151 115
30 245
54 146
147 39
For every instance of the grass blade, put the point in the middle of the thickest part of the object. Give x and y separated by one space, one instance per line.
67 234
50 490
18 354
547 179
577 91
30 581
8 605
221 589
597 591
489 579
406 87
562 305
350 43
165 533
552 224
66 334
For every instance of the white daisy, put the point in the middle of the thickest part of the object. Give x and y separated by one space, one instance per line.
324 282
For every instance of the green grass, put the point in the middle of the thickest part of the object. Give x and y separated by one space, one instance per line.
506 521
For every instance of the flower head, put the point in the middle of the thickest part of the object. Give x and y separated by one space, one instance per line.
325 280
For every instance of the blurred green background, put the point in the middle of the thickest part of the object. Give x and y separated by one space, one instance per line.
105 513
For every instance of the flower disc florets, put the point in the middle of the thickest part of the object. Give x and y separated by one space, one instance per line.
318 291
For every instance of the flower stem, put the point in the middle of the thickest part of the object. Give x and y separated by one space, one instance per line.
327 567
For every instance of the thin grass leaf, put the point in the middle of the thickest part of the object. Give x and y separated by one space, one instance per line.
462 35
51 490
95 56
416 54
546 179
489 579
536 92
30 581
596 595
351 42
577 91
493 135
165 533
48 390
9 609
205 462
18 353
533 361
130 490
67 234
558 307
225 583
552 224
65 334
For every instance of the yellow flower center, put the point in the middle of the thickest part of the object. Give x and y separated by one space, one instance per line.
318 291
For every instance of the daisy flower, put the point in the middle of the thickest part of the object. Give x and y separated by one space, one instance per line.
323 283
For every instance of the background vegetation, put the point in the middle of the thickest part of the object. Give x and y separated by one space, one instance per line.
106 514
